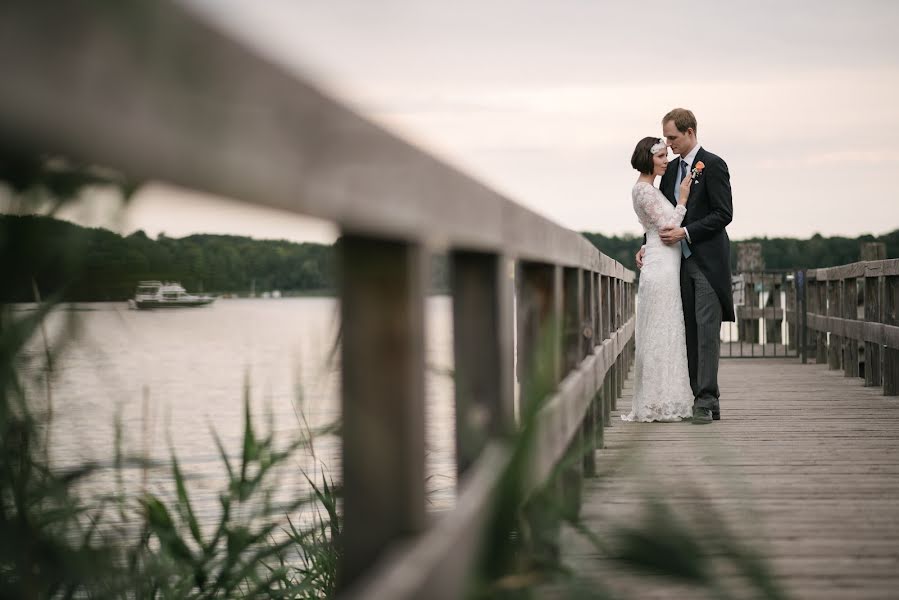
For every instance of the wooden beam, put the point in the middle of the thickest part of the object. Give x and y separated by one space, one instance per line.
755 313
821 356
589 426
891 320
440 563
382 294
849 311
873 268
878 333
873 314
482 348
835 343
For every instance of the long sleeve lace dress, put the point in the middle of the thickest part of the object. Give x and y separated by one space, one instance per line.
661 379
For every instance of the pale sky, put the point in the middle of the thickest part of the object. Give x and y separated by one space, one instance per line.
544 101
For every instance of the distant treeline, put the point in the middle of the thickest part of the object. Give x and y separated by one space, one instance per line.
92 264
779 253
82 264
96 264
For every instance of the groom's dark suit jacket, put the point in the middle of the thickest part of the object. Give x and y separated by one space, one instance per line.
709 210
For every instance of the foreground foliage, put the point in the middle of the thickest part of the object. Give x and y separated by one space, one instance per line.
57 544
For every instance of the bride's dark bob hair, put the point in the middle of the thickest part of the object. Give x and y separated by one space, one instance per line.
642 158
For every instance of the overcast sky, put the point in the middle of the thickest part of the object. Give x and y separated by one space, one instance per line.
544 101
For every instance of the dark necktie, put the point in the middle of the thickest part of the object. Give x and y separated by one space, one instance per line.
680 177
684 246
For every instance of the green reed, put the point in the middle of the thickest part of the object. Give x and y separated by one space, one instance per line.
55 544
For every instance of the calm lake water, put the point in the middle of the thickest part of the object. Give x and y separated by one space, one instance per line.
171 376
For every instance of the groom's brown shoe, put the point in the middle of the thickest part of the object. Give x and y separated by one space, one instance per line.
716 415
701 416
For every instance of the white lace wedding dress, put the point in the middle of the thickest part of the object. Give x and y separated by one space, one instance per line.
661 379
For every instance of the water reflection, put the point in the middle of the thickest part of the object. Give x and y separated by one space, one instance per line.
172 376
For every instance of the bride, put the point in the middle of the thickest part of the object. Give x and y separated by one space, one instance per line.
662 381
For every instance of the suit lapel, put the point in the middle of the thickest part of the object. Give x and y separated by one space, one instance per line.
669 181
699 156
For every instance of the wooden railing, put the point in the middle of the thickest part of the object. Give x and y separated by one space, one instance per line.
763 329
156 92
559 306
853 320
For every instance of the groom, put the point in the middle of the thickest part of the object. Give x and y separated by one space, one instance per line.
705 266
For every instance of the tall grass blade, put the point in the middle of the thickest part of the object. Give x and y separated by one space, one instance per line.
184 506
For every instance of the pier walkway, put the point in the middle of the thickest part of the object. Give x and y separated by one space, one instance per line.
804 466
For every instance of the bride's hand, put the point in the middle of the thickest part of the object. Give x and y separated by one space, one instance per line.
685 189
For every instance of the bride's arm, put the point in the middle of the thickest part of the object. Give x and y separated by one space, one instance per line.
655 205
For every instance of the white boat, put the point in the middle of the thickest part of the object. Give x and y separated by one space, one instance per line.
169 294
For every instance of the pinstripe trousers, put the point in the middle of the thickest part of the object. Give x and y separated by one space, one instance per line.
702 318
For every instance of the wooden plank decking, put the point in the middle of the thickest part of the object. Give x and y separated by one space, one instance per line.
804 467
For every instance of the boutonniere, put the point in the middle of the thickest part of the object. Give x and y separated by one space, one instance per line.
696 173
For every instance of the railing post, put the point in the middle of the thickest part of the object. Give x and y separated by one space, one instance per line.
589 427
482 291
588 329
382 290
835 347
620 369
850 313
573 318
540 367
625 300
573 473
801 308
598 337
633 313
625 310
843 313
539 345
791 315
630 313
614 312
873 314
890 317
607 393
821 356
772 282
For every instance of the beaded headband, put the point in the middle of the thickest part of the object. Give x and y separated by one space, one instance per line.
658 146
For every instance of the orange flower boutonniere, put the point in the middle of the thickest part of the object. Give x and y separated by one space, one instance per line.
697 170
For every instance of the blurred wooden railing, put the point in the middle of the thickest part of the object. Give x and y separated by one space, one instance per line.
766 309
853 320
151 89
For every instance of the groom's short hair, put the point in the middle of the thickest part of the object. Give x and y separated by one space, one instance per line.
683 119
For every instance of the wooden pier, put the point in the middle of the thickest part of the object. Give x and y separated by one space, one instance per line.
803 466
804 462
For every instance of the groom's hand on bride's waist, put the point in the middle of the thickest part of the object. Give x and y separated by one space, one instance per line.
672 235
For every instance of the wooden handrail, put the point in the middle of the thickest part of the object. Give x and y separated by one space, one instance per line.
157 92
871 268
838 332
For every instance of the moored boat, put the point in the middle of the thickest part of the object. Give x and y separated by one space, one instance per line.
169 294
